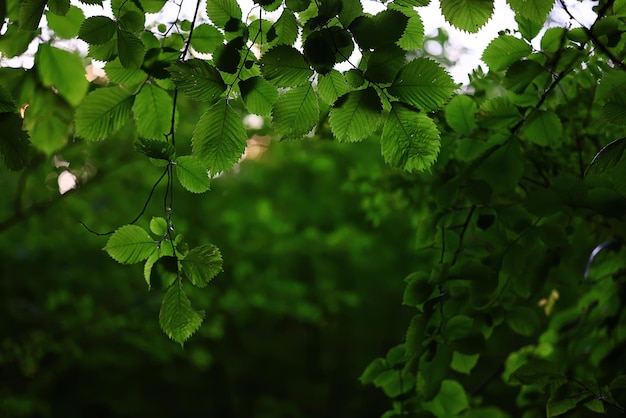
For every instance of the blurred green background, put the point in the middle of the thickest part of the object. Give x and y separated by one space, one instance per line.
315 254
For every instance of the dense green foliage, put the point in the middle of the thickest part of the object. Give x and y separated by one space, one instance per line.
510 194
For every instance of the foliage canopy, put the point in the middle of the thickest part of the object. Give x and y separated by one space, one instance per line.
515 184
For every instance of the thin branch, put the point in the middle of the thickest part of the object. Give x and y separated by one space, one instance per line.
143 210
594 39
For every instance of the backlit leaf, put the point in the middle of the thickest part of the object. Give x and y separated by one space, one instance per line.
296 112
468 15
59 7
607 158
285 66
331 86
177 317
535 10
258 95
524 321
356 115
130 49
62 70
614 108
424 84
192 175
222 11
102 112
504 51
66 26
153 112
460 114
543 127
410 140
286 28
155 148
202 264
197 79
130 244
97 30
118 74
164 250
219 138
413 36
206 38
30 13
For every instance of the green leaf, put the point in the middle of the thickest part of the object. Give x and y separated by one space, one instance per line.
464 363
62 70
158 226
102 112
504 51
177 317
164 250
607 158
521 75
356 115
131 21
534 10
192 175
614 108
153 112
523 320
118 74
97 30
536 372
285 66
59 7
507 161
227 57
296 112
373 370
394 383
384 63
460 113
155 148
553 40
130 49
15 41
543 127
417 290
258 95
219 138
527 27
331 86
30 13
130 244
297 5
285 28
350 10
424 84
499 113
410 140
202 264
7 104
413 36
565 398
450 401
105 52
206 38
386 27
198 80
468 15
319 51
66 26
152 6
222 11
14 145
